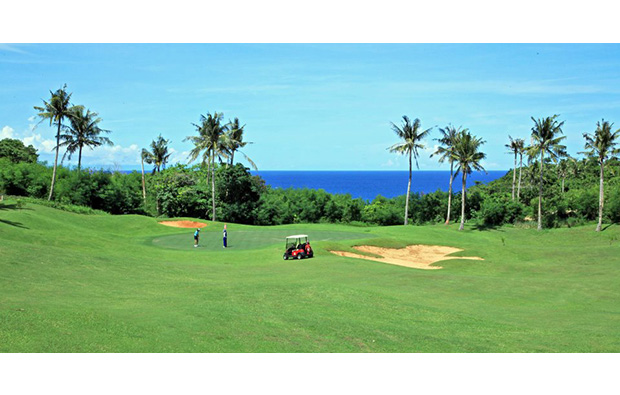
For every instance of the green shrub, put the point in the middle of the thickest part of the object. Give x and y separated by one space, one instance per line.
497 211
584 202
611 208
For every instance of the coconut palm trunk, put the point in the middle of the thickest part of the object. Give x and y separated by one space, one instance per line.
514 177
463 201
450 192
143 182
213 186
408 191
80 160
520 168
600 201
55 163
540 190
208 170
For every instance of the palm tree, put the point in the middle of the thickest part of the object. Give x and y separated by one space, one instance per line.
83 131
412 137
521 146
545 140
602 146
159 155
468 156
515 146
446 152
56 110
211 143
234 141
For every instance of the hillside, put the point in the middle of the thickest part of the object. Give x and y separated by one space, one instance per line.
102 283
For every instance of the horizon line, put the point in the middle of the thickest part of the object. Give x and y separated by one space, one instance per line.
137 168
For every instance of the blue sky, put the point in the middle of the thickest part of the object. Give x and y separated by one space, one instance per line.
312 106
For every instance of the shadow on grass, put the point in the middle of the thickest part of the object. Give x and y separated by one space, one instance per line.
12 206
482 227
608 226
12 223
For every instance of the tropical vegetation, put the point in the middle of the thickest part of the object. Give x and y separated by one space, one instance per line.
516 147
546 141
446 152
158 156
209 145
468 157
104 283
56 110
217 188
82 131
601 146
411 135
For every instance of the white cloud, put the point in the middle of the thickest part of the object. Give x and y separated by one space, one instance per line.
110 155
37 141
11 48
100 156
178 157
6 133
389 163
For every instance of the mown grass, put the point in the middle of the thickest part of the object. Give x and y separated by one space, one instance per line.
102 283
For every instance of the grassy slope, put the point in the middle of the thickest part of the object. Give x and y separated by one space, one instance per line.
76 283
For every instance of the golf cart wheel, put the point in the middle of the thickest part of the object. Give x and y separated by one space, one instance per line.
299 256
285 257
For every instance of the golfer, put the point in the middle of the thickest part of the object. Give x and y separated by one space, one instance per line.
225 236
196 236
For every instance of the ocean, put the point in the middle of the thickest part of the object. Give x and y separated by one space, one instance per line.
368 184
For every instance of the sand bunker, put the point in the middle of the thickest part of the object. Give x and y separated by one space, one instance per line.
184 224
415 256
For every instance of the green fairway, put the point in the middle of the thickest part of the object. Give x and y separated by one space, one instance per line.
250 239
103 283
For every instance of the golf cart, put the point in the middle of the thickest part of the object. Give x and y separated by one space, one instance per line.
297 247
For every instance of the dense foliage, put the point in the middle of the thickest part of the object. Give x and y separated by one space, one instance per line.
570 196
15 151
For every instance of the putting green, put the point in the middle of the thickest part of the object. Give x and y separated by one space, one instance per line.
250 239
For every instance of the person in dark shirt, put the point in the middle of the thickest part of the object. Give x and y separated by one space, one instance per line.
196 237
225 237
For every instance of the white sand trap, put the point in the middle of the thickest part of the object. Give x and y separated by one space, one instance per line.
416 256
184 224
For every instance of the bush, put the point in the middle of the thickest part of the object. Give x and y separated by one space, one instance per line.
611 209
238 194
492 212
383 211
181 192
584 202
15 151
24 179
73 208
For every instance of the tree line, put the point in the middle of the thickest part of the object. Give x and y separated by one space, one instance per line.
82 131
216 187
215 140
461 148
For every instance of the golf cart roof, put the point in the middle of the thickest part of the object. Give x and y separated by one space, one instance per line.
296 236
